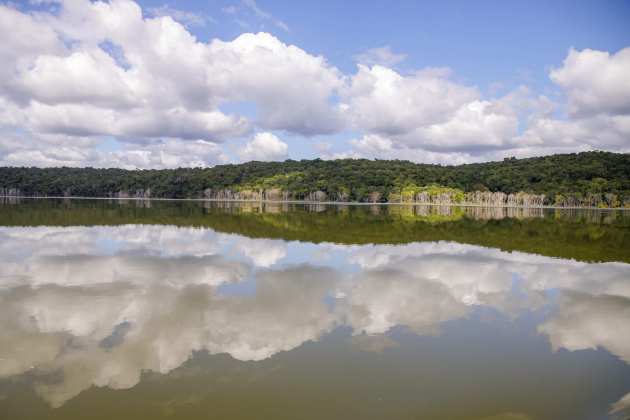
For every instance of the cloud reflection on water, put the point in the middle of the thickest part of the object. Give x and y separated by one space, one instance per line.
98 306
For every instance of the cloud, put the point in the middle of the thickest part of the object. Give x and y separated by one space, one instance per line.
84 91
262 14
424 112
596 82
383 56
102 69
82 77
375 146
622 406
47 150
90 71
185 17
428 117
24 39
100 316
292 94
264 147
375 94
602 132
166 154
386 298
262 252
585 321
598 105
164 326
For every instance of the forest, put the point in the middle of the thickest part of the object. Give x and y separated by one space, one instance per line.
588 179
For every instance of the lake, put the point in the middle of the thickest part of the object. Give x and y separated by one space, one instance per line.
195 309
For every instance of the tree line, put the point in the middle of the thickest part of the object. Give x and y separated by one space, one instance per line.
594 179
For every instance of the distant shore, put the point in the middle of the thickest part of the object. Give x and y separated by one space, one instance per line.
333 203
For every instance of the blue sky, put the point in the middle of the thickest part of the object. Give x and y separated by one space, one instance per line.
497 98
484 42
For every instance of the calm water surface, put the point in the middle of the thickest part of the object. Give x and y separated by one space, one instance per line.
197 310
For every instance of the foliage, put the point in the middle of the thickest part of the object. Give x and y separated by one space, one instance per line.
284 181
409 191
594 177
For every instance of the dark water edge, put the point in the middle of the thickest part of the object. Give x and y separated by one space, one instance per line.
580 234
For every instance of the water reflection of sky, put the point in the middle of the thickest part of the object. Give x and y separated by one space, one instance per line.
104 304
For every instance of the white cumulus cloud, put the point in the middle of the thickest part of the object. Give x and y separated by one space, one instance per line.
93 70
596 82
96 69
264 147
380 55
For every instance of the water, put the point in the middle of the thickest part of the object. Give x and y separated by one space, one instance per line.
149 309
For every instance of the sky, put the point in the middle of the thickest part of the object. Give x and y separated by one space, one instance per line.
154 84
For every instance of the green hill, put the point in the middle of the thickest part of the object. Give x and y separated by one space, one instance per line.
589 178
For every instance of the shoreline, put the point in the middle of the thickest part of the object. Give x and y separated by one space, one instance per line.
333 203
